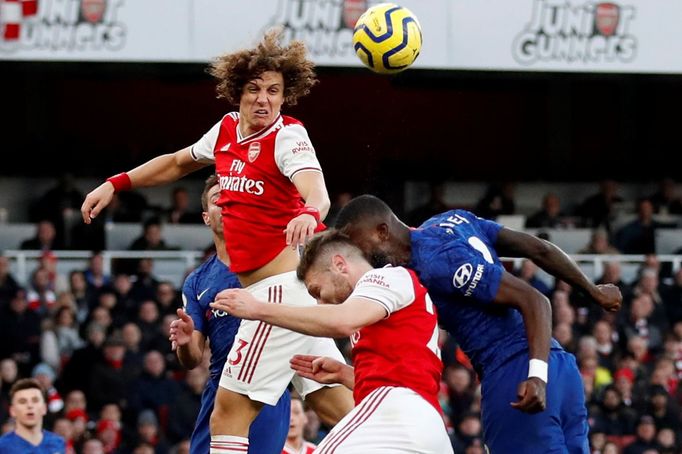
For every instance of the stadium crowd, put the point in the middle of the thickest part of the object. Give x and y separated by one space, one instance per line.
99 345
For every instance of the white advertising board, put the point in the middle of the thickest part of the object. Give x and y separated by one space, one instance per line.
517 35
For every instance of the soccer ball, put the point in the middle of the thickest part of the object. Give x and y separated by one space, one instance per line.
387 38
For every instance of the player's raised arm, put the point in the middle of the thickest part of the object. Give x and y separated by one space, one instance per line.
537 317
552 259
155 172
313 190
323 320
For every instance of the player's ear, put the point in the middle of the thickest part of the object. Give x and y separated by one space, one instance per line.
206 218
338 263
383 231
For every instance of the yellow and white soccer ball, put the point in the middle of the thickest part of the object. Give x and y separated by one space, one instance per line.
387 38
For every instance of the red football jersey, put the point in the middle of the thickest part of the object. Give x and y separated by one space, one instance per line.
257 195
402 349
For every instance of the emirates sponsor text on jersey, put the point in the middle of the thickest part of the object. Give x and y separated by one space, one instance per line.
236 183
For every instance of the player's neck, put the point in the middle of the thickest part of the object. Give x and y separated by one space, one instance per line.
33 435
221 251
403 241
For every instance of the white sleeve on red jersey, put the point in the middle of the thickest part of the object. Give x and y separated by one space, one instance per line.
202 151
390 287
294 152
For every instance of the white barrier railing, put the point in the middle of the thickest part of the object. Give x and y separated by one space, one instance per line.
24 262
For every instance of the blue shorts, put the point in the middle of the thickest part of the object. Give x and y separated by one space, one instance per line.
561 428
268 431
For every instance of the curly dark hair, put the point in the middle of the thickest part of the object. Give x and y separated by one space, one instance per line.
236 69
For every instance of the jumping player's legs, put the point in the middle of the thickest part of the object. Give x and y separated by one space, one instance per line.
267 433
389 420
506 429
257 368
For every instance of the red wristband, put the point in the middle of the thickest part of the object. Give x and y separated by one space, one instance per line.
314 212
121 182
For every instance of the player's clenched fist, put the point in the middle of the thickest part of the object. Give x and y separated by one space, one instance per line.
610 297
532 395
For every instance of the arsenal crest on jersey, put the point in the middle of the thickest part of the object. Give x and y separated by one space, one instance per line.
606 18
254 151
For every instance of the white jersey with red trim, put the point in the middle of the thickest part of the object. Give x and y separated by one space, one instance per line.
306 448
402 349
257 195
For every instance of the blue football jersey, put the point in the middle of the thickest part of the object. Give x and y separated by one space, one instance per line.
454 255
198 291
51 444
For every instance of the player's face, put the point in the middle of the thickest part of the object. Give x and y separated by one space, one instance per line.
28 407
213 217
261 102
328 286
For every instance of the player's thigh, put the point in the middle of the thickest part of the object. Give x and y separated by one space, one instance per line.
506 429
389 420
201 436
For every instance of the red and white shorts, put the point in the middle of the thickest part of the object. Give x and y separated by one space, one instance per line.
258 363
389 419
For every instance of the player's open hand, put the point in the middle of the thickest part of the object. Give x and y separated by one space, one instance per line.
299 229
96 201
321 369
609 297
181 329
237 302
532 395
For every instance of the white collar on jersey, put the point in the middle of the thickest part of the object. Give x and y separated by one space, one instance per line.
262 133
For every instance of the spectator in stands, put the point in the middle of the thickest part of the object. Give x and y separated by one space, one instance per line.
624 381
148 434
295 442
20 333
41 298
94 273
612 417
185 407
63 427
667 441
645 437
550 215
600 209
434 205
648 283
8 284
665 199
73 376
528 271
639 235
123 288
59 205
45 238
153 389
109 381
144 281
179 211
82 294
93 446
461 385
46 375
467 431
149 322
168 298
498 199
639 323
611 274
606 347
599 243
663 409
9 373
132 336
563 333
151 238
672 298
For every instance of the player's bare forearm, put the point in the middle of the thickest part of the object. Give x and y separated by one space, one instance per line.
535 310
312 188
189 355
555 261
325 320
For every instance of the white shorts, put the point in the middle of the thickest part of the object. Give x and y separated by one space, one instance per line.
389 421
258 363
